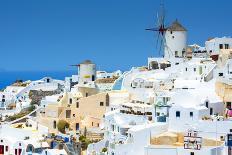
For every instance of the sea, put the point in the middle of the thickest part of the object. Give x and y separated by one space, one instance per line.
9 77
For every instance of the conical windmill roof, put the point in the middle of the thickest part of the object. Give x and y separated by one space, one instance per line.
176 26
87 62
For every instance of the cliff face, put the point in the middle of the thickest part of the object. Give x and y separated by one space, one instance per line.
37 95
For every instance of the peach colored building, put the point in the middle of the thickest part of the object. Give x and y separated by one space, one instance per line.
225 92
79 111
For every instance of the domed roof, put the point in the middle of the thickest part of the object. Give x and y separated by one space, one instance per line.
87 62
176 26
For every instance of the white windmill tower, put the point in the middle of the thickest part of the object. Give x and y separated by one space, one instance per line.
175 41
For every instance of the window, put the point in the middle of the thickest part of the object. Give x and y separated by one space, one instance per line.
98 125
101 103
194 69
92 123
186 69
207 104
77 105
183 52
20 151
191 114
6 148
54 125
68 113
77 126
228 105
220 74
220 46
86 94
176 53
107 99
177 113
229 137
226 46
191 153
211 111
30 148
93 77
70 101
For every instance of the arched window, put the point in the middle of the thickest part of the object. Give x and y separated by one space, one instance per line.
30 148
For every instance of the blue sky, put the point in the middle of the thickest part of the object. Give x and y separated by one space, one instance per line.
52 34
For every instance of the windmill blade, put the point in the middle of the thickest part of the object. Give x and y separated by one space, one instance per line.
74 65
162 11
167 48
157 40
160 28
158 20
163 15
161 45
152 29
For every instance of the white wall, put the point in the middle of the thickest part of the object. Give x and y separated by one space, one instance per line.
178 43
86 71
213 45
42 129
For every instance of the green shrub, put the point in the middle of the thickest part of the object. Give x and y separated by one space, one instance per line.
84 142
82 138
17 116
62 124
104 149
31 108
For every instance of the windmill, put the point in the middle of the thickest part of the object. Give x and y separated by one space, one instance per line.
160 28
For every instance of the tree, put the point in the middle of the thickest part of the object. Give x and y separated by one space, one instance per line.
104 149
85 131
62 125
